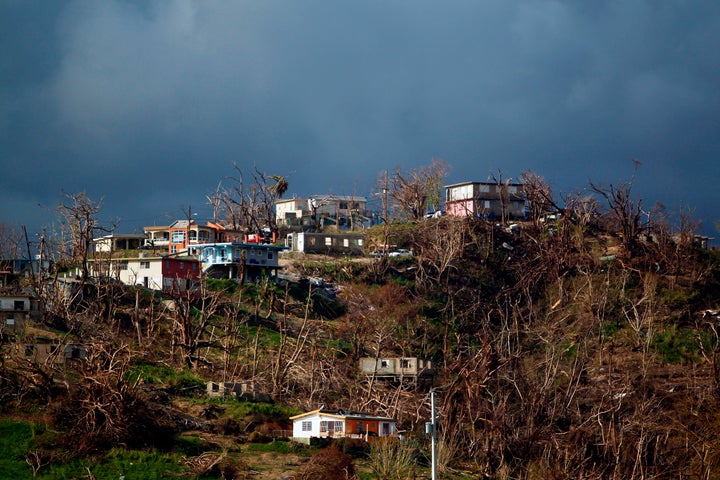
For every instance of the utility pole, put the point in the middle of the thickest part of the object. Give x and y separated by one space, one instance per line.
386 227
431 428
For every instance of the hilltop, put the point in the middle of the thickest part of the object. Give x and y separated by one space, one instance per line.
561 349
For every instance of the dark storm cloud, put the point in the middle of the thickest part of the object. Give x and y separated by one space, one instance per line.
148 104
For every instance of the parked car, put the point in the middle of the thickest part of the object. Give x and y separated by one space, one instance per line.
400 252
436 214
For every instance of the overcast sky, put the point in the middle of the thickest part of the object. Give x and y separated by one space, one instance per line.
147 105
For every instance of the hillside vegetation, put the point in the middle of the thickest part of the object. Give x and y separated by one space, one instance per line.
569 348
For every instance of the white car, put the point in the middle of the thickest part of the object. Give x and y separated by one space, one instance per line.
400 252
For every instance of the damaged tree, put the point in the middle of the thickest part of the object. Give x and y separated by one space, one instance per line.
623 212
250 206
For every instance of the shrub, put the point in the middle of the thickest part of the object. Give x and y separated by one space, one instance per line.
227 426
392 459
352 446
328 464
257 437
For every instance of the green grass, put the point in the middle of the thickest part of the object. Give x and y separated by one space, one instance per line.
682 345
239 410
18 439
190 446
277 446
266 337
118 464
164 375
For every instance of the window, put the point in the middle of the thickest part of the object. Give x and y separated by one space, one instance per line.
328 241
19 305
144 264
178 237
123 265
270 255
346 242
384 364
306 426
29 350
405 363
10 320
331 426
173 249
193 235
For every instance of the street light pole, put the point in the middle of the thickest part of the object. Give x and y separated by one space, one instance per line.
433 437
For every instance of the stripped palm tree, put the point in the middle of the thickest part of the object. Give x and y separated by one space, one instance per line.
280 187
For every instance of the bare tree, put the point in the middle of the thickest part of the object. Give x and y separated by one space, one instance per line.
79 228
439 247
215 200
11 240
251 205
413 191
191 320
315 204
624 213
503 191
104 406
537 195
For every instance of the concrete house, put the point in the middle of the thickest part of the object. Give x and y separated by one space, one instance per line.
23 267
485 199
326 243
119 241
181 234
290 211
340 211
397 368
224 260
45 351
15 310
323 423
154 272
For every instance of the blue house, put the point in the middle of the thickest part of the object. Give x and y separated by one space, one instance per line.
225 260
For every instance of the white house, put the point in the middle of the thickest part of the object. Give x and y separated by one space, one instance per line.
338 423
342 211
157 273
290 208
119 241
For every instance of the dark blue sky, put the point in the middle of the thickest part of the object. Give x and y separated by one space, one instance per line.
147 105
